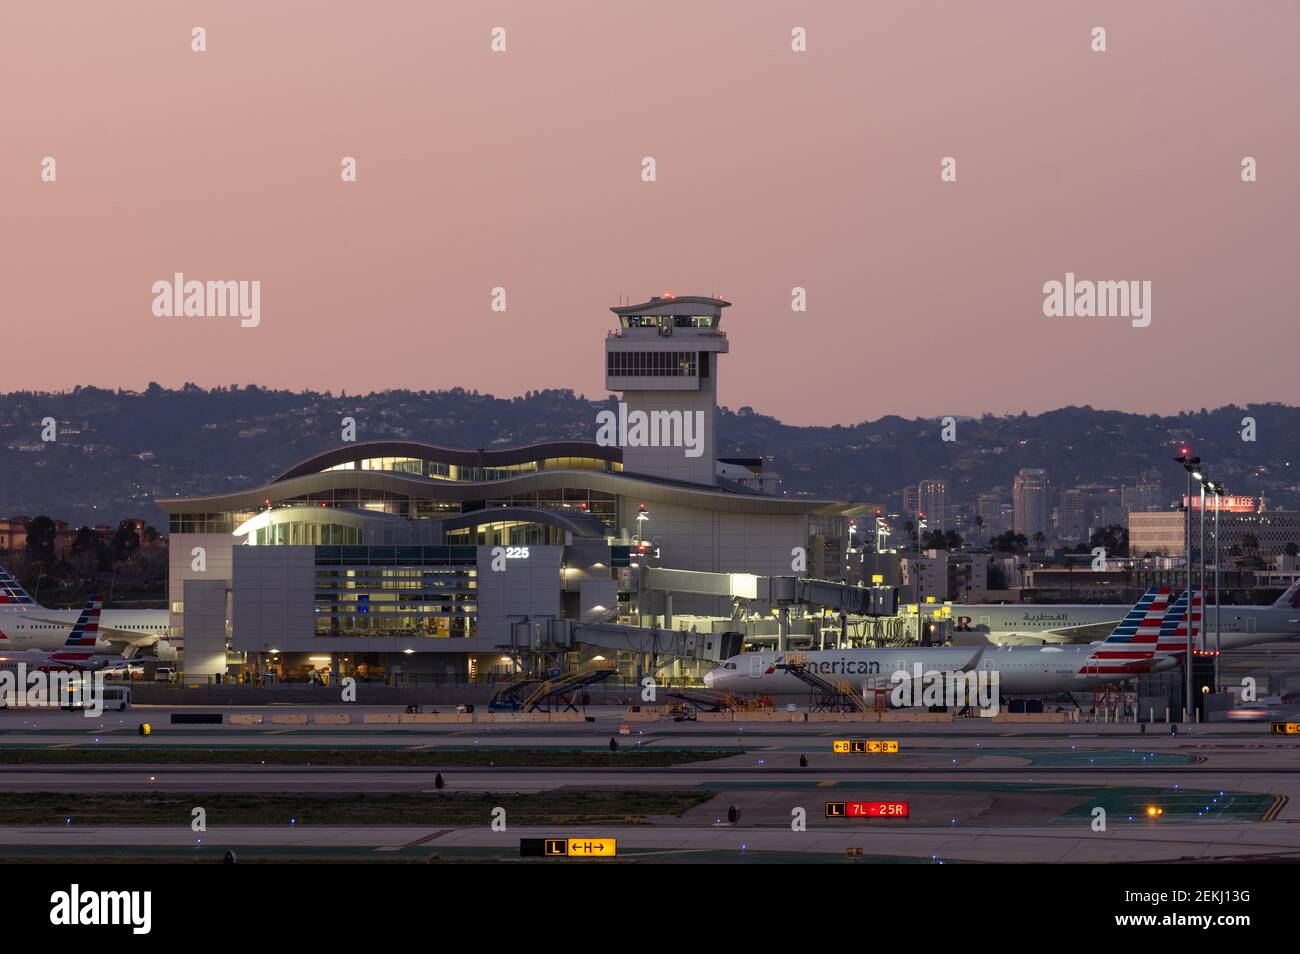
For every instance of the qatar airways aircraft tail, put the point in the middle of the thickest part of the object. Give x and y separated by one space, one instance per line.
1291 598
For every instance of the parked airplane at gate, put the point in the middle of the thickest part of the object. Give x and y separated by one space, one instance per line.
26 625
1034 624
78 651
1130 650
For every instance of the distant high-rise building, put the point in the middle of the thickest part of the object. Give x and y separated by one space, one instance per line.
1029 497
993 510
910 504
1072 519
1146 496
931 499
1088 507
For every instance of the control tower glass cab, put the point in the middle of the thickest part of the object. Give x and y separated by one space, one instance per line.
663 358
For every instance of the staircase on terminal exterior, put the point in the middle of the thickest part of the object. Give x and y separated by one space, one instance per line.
530 694
827 695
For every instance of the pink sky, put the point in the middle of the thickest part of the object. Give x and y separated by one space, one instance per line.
775 169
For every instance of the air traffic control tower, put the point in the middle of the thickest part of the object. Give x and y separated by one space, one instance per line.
663 358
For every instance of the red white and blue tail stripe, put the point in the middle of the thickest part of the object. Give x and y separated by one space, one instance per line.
11 591
80 644
1173 631
1131 647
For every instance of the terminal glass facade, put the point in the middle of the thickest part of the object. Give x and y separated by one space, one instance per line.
439 470
313 532
413 591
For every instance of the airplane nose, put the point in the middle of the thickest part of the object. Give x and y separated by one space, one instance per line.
708 679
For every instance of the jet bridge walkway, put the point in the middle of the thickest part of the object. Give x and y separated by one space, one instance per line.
773 590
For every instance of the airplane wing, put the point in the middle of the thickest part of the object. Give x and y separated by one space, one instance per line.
115 636
1087 633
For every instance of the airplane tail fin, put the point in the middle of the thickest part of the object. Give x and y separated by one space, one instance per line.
1131 646
12 592
81 640
1291 598
1173 631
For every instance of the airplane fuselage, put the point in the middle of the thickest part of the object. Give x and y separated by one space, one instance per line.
1021 670
1031 624
36 627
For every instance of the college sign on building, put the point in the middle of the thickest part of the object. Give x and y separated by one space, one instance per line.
1226 504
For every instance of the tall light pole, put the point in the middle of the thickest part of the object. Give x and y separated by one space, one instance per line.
1218 640
920 626
1200 629
641 517
882 539
1189 463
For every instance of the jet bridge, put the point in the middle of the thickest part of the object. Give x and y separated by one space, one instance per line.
773 590
778 592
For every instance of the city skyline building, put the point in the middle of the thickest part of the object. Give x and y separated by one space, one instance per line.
1030 501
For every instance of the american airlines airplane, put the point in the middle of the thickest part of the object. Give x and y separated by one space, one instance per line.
1021 624
78 652
26 625
1131 649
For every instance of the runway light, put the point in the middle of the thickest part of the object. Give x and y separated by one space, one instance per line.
1154 811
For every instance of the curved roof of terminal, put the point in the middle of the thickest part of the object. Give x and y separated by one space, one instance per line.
483 457
579 524
312 476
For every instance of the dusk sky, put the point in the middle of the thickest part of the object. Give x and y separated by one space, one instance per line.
775 169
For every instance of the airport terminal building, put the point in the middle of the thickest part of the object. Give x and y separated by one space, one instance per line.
406 557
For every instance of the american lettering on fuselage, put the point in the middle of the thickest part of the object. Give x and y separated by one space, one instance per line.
845 667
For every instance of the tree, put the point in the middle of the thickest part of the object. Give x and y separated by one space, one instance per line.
1113 539
84 557
1291 549
1010 542
125 541
941 540
151 565
40 540
86 541
1039 539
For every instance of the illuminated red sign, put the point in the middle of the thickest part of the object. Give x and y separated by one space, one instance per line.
1226 504
876 809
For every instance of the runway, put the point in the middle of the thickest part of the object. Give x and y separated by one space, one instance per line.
976 791
1140 842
